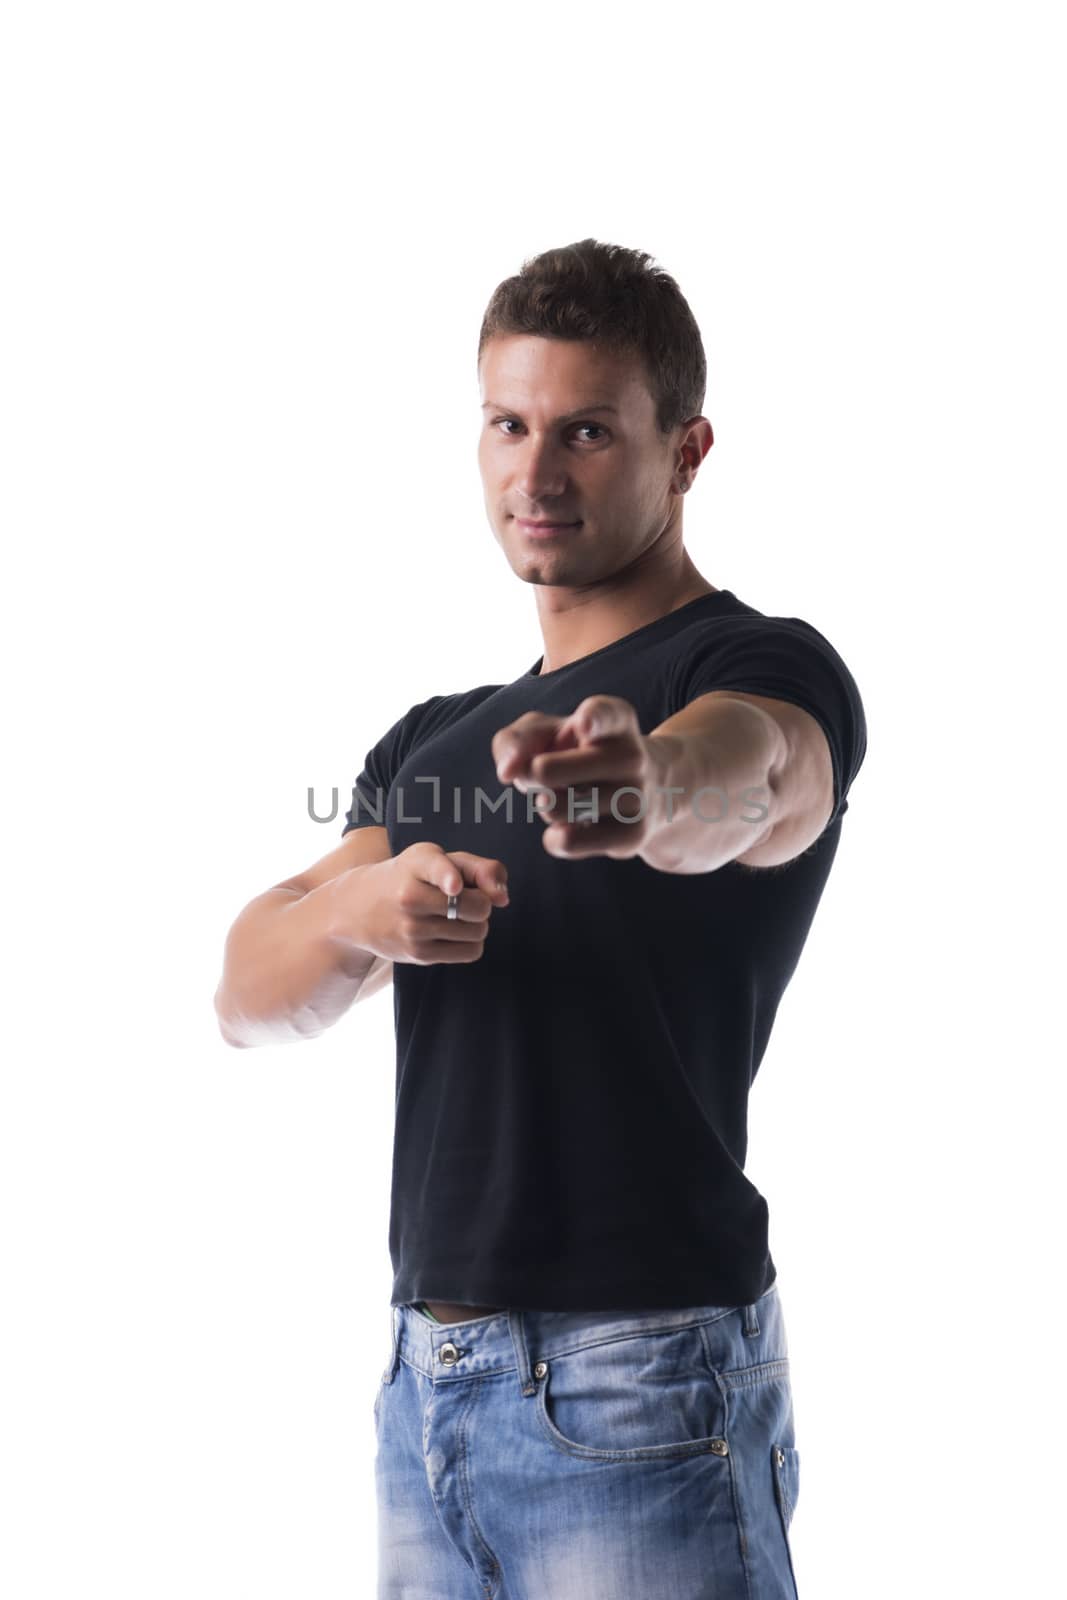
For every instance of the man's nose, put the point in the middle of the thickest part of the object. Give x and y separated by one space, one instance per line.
541 476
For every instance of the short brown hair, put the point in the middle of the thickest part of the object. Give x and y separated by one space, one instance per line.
590 290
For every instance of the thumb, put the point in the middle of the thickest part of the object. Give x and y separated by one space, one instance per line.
435 866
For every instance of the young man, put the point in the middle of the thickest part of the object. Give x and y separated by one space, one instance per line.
590 888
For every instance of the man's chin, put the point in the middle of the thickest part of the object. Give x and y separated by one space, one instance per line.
545 572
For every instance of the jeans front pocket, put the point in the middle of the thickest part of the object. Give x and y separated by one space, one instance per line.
642 1396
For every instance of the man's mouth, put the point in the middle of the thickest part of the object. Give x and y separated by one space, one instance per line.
543 530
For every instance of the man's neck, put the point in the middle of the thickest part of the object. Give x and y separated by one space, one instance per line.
589 621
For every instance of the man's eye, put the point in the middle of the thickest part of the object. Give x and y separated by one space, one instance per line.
583 427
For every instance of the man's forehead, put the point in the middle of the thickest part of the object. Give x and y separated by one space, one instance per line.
536 373
568 416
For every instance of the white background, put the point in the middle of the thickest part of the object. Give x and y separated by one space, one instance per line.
247 253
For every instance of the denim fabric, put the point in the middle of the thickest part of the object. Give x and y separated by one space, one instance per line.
566 1455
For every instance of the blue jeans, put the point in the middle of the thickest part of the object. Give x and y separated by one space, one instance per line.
571 1455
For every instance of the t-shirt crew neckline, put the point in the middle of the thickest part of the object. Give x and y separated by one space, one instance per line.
627 638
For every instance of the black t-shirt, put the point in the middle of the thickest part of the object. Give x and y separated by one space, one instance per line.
571 1109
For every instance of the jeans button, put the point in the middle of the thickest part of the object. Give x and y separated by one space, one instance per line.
448 1354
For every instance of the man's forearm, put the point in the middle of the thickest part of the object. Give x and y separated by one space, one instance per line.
285 977
718 789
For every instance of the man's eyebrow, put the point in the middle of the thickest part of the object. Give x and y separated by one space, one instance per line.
582 411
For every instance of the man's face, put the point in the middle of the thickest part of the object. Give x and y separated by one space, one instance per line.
548 454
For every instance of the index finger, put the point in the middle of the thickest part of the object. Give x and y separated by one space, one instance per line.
514 746
485 872
458 872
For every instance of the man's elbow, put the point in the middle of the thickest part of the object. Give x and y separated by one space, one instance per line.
222 1017
232 1039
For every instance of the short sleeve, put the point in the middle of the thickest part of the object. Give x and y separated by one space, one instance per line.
784 658
370 792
